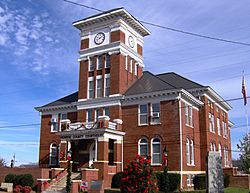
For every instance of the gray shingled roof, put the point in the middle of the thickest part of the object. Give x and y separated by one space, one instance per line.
148 83
178 81
167 81
63 101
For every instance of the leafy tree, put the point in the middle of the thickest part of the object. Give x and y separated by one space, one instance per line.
2 163
244 147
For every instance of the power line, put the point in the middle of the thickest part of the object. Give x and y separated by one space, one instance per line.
169 28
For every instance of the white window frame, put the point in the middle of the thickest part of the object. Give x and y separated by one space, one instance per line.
219 149
99 77
87 115
218 126
139 114
152 113
188 115
153 153
211 123
188 160
131 66
99 63
50 154
139 146
91 79
192 152
226 157
126 62
107 76
52 124
136 69
107 58
91 66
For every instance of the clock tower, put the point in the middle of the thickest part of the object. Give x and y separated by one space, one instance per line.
110 59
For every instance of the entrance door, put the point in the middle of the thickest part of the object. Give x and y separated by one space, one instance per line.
91 154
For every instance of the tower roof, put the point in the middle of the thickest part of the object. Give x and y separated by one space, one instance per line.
111 14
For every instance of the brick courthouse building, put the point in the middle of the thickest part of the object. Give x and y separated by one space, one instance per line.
120 111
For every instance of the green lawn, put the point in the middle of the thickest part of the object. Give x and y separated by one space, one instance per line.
227 190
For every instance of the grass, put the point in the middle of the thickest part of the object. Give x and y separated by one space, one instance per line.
227 190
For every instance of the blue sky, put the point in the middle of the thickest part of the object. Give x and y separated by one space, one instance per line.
39 51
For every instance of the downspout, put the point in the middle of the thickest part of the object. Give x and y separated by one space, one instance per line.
180 117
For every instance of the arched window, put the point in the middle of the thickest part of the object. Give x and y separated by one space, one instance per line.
219 149
156 151
192 152
188 151
53 154
143 147
214 147
211 146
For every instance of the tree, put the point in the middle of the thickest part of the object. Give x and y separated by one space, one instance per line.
244 147
2 163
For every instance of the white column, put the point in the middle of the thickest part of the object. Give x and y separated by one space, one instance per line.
69 146
96 150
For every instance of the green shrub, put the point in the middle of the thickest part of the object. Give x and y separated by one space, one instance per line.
10 178
116 180
174 181
226 180
168 182
199 182
25 180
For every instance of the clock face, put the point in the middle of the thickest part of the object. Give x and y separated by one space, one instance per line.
131 41
99 38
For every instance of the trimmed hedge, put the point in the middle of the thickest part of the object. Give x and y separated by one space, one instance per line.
116 180
22 179
199 181
168 182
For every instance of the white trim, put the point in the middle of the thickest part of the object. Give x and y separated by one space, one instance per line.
181 157
139 145
187 172
189 104
54 116
139 114
90 79
151 152
99 77
106 76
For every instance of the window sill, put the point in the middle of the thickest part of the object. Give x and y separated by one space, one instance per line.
156 164
141 125
54 131
189 126
155 123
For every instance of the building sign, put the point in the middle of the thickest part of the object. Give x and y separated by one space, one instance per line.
215 180
82 136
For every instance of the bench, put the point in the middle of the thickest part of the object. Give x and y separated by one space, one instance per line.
7 187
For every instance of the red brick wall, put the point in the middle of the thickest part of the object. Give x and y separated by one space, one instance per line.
168 131
85 43
139 49
117 36
83 80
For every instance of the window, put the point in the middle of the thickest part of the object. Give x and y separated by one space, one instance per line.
156 151
106 111
89 117
107 61
91 64
54 123
224 129
131 66
190 180
188 152
155 113
143 147
126 62
225 157
136 69
211 123
219 149
212 147
107 85
99 62
192 152
97 114
98 86
53 154
188 115
218 126
91 88
63 116
143 114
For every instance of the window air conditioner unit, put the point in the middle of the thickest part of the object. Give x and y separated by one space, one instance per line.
53 120
156 114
